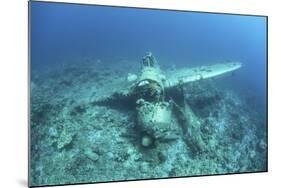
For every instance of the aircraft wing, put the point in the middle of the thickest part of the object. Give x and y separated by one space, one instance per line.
187 75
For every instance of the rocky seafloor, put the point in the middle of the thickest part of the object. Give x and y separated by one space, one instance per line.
74 141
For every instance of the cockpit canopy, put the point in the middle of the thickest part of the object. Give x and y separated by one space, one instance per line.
149 60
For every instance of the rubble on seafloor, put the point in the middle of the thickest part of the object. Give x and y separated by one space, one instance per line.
73 141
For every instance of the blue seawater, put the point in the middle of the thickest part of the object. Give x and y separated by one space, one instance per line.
75 49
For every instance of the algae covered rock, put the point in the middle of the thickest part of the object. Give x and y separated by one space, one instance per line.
91 154
65 139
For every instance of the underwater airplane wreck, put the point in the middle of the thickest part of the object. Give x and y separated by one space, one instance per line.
162 113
